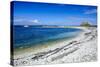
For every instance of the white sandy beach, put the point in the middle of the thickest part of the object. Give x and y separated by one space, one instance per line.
82 48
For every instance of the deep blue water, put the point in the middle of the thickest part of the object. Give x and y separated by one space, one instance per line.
30 36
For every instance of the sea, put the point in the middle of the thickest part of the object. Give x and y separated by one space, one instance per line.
24 36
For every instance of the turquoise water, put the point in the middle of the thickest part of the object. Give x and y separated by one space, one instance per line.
30 36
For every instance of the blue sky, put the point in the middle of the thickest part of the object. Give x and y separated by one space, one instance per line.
33 13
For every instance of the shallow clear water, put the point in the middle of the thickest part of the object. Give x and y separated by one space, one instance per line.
30 36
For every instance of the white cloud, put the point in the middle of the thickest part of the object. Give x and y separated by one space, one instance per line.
34 21
90 11
25 20
21 21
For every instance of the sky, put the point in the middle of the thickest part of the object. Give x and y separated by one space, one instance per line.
35 13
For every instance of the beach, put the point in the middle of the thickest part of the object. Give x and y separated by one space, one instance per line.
82 48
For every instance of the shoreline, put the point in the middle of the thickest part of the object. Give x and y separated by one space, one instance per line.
53 51
53 44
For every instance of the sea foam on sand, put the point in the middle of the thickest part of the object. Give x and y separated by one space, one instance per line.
82 48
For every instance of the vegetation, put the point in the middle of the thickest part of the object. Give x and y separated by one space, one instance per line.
86 24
